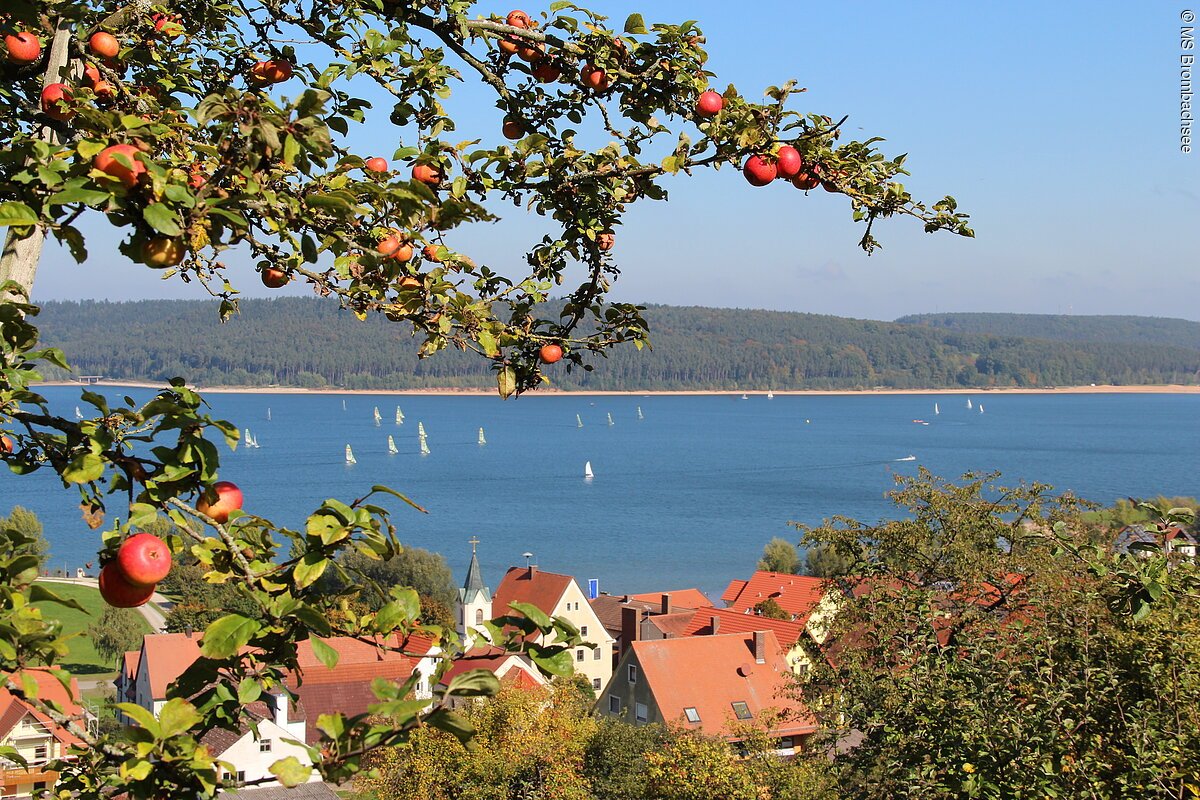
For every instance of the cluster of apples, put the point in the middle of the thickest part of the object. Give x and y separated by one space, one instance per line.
543 67
130 579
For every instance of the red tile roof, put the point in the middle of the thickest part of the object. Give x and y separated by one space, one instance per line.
677 622
680 598
495 659
166 656
710 673
13 708
730 621
796 594
733 590
524 585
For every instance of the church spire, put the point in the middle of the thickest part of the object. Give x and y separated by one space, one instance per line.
474 587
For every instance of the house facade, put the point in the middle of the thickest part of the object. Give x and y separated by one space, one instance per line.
250 754
35 737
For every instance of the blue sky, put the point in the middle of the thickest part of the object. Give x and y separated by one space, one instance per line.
1054 125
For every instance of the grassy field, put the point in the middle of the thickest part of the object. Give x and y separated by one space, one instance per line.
83 660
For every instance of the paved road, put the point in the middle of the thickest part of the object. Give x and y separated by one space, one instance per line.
150 611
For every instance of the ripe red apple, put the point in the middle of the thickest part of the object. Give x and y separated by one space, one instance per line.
429 174
606 240
550 353
430 252
228 498
546 72
196 176
512 129
410 283
118 592
144 559
275 278
829 182
594 78
788 162
388 245
376 164
509 44
806 181
107 163
518 19
167 25
6 445
709 104
23 47
531 51
52 95
759 171
264 73
162 252
104 44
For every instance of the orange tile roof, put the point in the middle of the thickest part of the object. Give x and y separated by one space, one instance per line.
796 594
675 623
494 659
733 590
13 708
788 632
680 598
710 673
542 589
130 663
166 657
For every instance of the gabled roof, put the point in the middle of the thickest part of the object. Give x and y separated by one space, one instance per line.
710 674
675 623
503 664
129 664
530 585
474 588
680 598
788 632
796 594
13 709
165 656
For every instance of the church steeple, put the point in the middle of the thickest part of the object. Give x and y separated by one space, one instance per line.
474 598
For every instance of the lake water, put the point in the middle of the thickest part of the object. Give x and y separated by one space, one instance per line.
685 497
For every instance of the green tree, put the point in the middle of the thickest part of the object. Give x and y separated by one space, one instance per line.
117 631
824 561
213 132
779 555
425 571
614 760
25 523
771 609
695 767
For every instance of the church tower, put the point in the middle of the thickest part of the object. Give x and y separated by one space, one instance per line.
474 599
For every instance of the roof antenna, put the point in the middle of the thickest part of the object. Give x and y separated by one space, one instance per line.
527 556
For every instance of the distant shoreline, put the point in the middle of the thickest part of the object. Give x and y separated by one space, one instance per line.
550 392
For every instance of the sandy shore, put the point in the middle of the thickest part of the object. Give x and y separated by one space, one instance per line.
452 392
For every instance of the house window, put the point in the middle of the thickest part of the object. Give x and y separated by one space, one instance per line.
632 674
614 704
596 683
787 743
240 776
692 714
264 746
596 654
640 712
41 753
579 654
583 631
479 616
741 710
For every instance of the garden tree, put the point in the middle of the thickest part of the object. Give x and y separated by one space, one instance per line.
27 524
779 555
986 649
614 758
220 135
117 630
422 570
771 609
823 561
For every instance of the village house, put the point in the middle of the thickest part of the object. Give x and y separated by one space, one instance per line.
35 736
1149 542
810 601
714 684
663 614
280 726
511 668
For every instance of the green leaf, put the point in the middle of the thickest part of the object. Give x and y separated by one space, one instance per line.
249 690
474 683
141 716
506 382
14 213
77 194
533 613
394 493
635 24
227 635
309 569
451 722
560 663
84 469
324 653
290 771
162 218
176 717
38 593
308 248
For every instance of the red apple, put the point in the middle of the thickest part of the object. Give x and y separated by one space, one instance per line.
6 445
430 252
388 245
709 104
546 72
550 353
104 44
806 181
429 174
509 44
162 252
531 51
829 182
118 592
759 171
376 164
274 278
512 129
228 498
788 162
167 25
144 559
518 19
196 176
23 47
109 165
594 78
52 96
265 73
606 240
410 283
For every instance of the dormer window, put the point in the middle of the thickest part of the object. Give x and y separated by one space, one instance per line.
741 710
691 714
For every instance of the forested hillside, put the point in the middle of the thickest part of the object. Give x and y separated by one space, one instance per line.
1064 328
311 343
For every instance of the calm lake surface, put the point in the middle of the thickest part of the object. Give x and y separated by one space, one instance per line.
686 496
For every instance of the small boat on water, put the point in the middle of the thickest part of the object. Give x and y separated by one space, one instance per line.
392 449
248 439
587 471
920 422
78 413
907 458
399 416
268 413
981 408
969 403
424 442
343 405
481 439
610 419
350 459
378 418
935 409
745 397
578 421
640 413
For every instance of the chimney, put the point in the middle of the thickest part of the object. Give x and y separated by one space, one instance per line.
760 647
532 571
714 622
630 622
187 631
666 603
279 709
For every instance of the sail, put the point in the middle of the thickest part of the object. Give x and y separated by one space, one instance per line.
481 439
935 409
578 421
343 405
610 419
424 446
392 445
350 456
587 470
770 395
268 413
421 429
78 413
399 416
968 402
377 417
981 408
640 413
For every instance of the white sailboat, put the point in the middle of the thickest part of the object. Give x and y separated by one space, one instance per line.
935 409
640 413
745 396
578 421
78 413
350 456
587 471
378 418
481 439
424 443
249 439
420 429
907 458
770 395
969 403
399 416
392 449
343 405
610 419
981 408
268 413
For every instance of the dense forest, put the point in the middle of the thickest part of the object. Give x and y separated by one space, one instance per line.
312 343
1064 328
